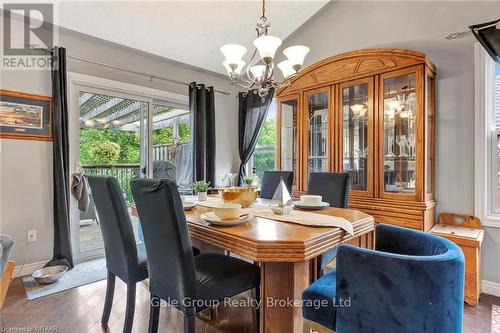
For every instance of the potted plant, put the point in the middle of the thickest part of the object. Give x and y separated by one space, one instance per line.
201 188
249 180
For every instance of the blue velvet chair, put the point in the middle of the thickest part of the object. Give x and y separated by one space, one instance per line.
413 282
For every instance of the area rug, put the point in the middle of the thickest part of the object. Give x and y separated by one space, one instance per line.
82 274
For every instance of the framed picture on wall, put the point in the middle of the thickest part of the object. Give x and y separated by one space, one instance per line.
25 116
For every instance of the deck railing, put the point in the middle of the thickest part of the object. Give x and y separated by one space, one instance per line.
122 172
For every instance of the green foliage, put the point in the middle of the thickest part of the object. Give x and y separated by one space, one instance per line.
201 186
105 152
128 142
249 180
267 136
263 161
163 136
184 133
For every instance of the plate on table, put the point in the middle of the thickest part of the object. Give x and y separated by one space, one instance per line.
299 205
215 220
188 205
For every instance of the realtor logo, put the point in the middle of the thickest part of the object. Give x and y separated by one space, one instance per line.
27 24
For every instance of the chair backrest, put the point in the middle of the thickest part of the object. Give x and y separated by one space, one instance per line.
164 170
332 186
270 182
166 237
416 284
116 227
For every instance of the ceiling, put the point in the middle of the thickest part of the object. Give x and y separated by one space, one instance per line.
186 31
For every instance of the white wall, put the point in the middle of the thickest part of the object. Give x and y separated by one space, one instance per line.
26 166
349 25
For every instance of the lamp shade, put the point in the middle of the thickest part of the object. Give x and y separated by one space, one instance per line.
286 68
258 71
267 46
233 53
296 54
237 70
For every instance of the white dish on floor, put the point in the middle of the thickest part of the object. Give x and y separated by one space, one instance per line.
301 205
213 219
49 274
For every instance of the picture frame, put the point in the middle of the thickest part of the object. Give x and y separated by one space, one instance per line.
25 116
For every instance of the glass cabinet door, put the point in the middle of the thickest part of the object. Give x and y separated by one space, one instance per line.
400 102
357 130
317 131
289 140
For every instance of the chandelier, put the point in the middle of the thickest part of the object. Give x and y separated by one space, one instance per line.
259 73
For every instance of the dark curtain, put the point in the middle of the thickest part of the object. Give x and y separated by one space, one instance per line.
252 114
62 238
202 106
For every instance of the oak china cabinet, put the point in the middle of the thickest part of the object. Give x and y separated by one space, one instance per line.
369 112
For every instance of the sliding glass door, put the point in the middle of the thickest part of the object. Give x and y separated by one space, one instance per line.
114 140
124 135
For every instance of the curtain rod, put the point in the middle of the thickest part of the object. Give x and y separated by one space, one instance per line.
127 70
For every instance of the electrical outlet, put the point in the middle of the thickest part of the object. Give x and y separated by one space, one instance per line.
32 236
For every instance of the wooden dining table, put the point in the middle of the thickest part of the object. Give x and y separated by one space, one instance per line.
286 254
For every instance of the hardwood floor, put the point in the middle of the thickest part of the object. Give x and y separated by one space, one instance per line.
79 310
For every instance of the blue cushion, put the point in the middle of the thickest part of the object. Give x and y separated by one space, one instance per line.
319 303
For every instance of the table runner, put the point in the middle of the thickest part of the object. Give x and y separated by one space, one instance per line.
304 218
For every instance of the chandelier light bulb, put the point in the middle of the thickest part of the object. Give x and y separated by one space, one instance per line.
286 68
296 54
357 108
233 68
267 46
233 53
258 71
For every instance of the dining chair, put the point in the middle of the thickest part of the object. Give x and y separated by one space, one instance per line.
124 258
334 188
190 284
412 282
271 180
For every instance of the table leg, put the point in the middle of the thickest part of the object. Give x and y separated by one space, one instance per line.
282 283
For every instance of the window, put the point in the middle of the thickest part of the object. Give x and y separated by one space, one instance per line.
495 145
487 139
263 158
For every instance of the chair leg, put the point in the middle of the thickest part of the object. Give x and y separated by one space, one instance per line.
129 312
189 324
154 314
108 303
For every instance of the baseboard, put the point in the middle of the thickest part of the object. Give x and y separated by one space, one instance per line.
28 269
491 288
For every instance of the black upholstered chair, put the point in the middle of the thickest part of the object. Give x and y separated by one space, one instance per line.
334 188
124 258
270 182
189 283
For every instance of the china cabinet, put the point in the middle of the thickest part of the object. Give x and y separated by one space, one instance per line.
371 113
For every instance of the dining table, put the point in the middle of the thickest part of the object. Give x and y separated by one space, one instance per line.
286 253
